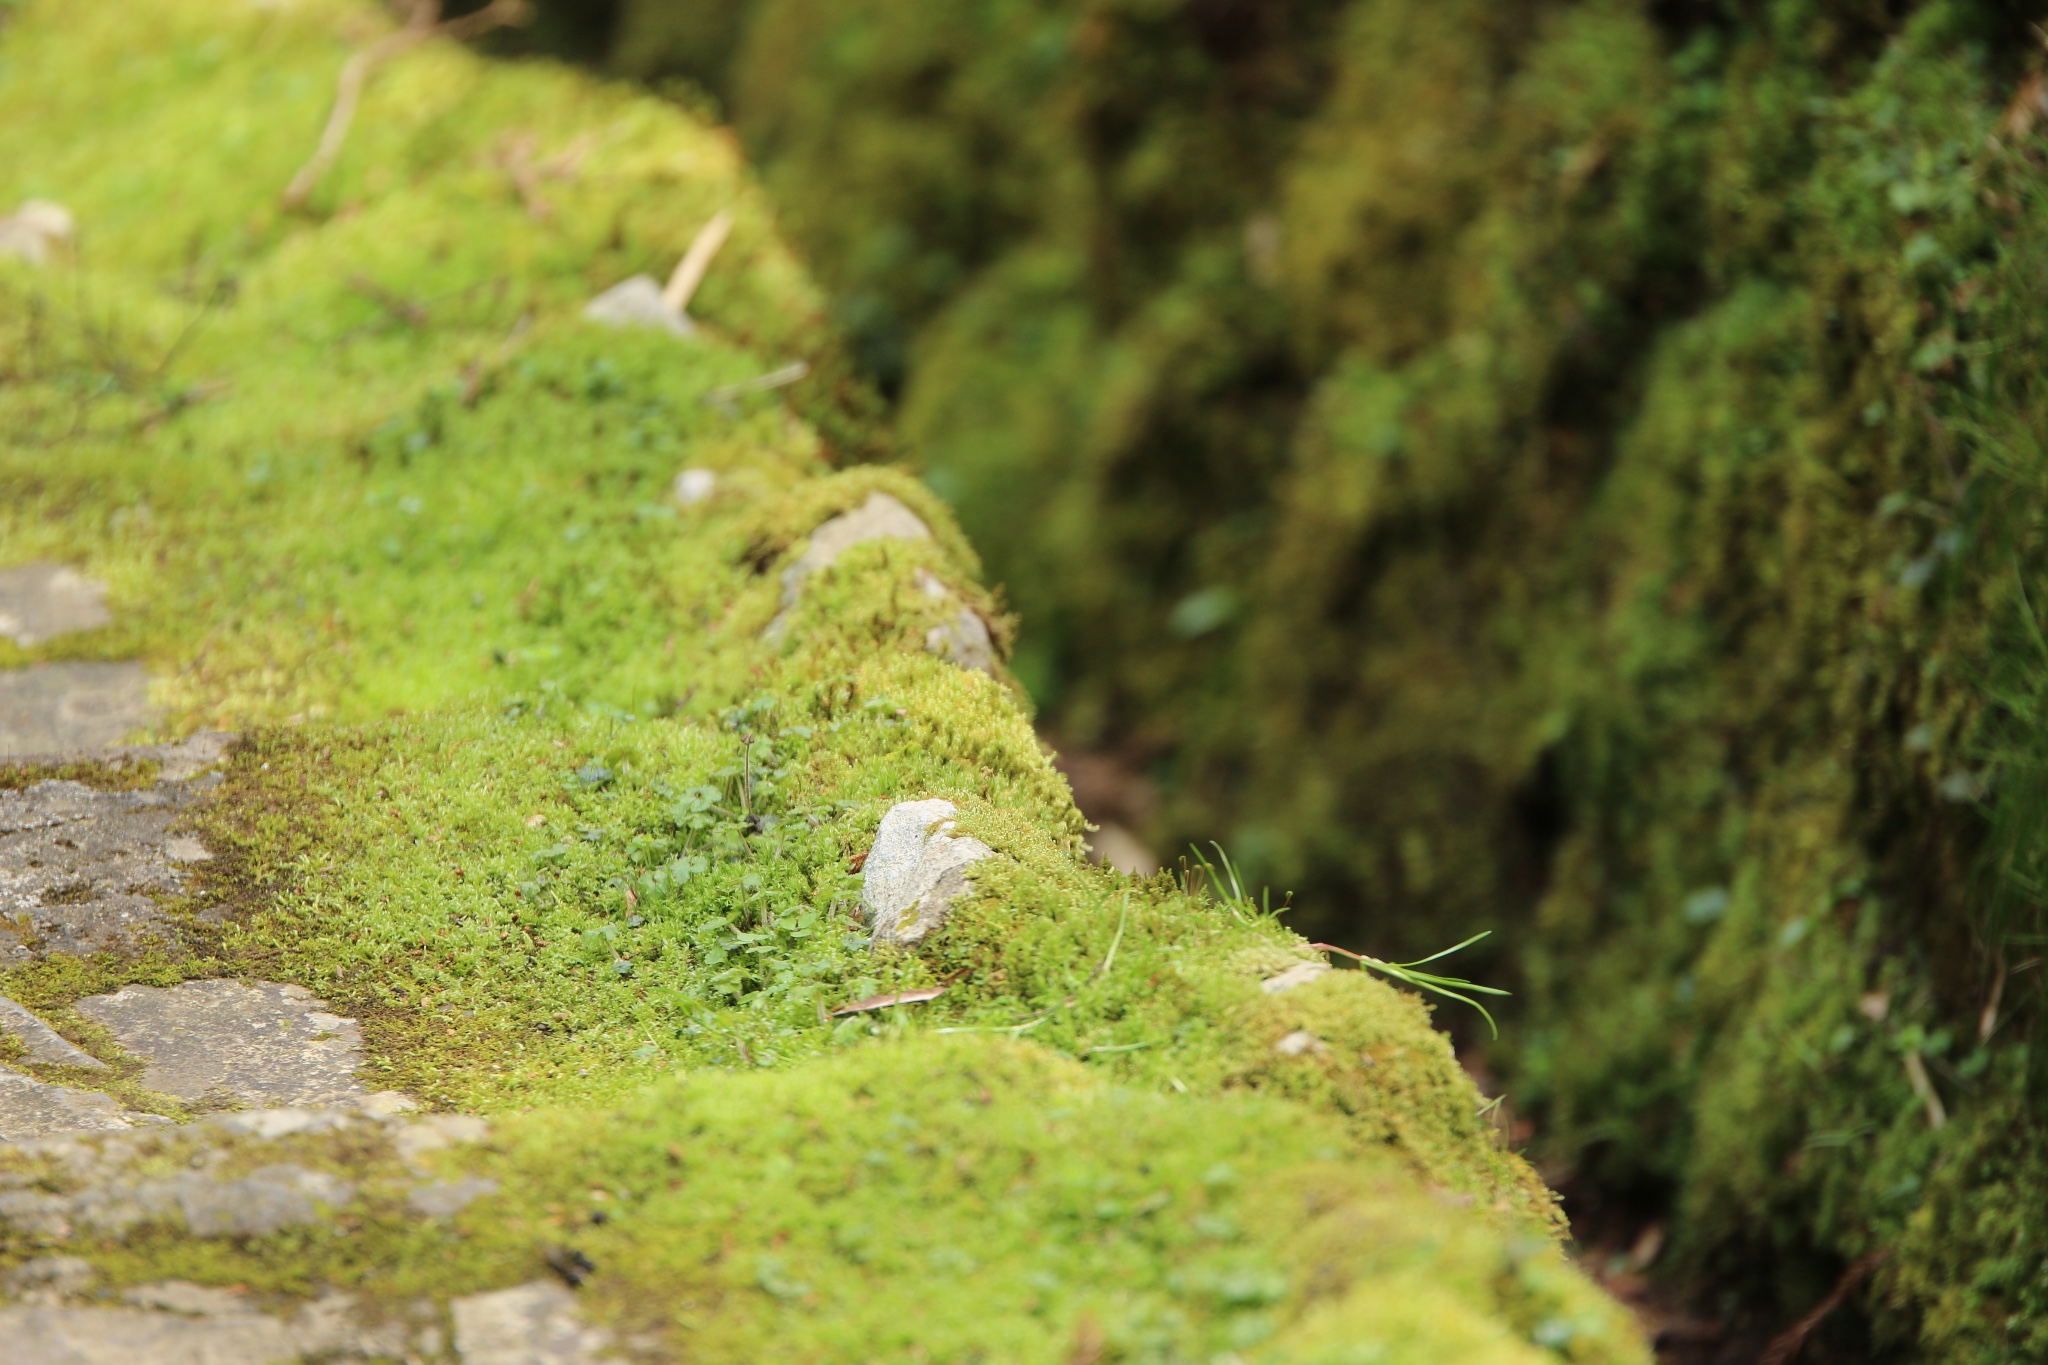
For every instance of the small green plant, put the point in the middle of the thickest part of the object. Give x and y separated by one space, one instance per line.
1228 887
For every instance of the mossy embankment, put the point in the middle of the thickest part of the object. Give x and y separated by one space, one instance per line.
527 786
1565 468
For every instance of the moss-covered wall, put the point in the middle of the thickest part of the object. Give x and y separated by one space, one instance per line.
528 785
1565 468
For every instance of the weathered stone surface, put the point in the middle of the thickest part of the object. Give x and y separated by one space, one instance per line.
85 871
195 1325
638 302
39 602
30 1108
260 1044
963 639
44 1043
915 871
881 517
531 1324
54 708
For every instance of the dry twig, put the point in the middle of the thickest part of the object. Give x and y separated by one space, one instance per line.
689 273
423 21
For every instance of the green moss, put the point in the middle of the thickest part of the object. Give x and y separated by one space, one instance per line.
523 787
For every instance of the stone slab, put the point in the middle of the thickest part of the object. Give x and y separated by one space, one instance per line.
39 602
261 1044
54 708
86 871
44 1043
30 1108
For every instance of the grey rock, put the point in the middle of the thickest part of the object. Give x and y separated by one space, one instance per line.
638 302
30 1108
1300 974
915 871
261 1044
445 1197
81 870
39 602
881 517
964 638
531 1324
44 1043
50 708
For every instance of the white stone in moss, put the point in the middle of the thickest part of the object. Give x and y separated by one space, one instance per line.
1300 1043
637 302
1300 974
964 639
915 871
695 485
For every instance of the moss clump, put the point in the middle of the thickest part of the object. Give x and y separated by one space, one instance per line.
528 787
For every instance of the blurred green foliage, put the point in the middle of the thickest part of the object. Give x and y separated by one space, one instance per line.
1563 468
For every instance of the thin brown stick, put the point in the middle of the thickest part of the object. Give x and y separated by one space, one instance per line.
422 21
1785 1346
